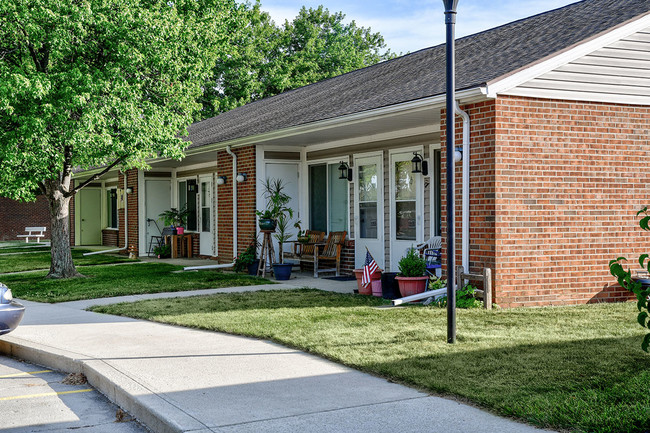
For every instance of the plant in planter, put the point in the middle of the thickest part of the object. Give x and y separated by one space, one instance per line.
247 260
282 271
175 218
301 236
411 278
277 201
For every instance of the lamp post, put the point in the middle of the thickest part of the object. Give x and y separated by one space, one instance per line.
450 22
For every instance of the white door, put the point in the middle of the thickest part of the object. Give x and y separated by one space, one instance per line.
406 207
206 234
90 205
288 172
157 200
369 209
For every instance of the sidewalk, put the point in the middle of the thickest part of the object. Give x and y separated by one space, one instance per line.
176 379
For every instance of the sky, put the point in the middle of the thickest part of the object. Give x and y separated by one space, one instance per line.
410 25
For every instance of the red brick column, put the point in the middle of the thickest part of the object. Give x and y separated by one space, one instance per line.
131 200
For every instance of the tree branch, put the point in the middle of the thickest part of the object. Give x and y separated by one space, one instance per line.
94 177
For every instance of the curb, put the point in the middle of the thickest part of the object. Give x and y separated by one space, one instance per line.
147 406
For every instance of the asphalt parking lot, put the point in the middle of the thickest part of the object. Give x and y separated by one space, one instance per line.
36 399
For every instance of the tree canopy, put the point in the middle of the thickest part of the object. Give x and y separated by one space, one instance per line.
92 83
271 59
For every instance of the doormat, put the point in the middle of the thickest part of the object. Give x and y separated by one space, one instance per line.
342 278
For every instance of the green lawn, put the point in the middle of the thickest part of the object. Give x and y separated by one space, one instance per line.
19 249
128 279
41 260
575 368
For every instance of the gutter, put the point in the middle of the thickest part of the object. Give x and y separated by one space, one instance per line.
234 201
126 225
465 203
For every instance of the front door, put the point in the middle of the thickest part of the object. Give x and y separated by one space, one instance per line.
205 211
90 212
288 172
369 209
406 207
157 200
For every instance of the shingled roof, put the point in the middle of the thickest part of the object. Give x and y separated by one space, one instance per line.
480 58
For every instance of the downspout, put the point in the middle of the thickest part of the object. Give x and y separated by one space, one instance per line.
126 226
465 202
234 200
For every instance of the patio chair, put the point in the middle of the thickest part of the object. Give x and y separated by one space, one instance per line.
305 251
431 251
329 251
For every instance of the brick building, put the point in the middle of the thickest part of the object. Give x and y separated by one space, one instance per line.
15 216
554 130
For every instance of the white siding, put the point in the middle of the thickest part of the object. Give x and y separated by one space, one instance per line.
619 72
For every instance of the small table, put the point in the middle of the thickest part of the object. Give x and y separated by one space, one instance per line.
186 247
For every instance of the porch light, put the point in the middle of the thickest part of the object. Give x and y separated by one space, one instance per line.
346 171
458 154
221 180
241 177
419 165
129 190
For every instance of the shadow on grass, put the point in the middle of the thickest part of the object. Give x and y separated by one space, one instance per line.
592 385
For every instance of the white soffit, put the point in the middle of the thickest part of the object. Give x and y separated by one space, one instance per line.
614 67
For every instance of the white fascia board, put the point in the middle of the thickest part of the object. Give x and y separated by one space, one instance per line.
527 73
463 96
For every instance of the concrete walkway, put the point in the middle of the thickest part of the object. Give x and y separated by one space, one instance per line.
176 379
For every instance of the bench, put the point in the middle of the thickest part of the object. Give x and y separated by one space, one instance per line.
34 232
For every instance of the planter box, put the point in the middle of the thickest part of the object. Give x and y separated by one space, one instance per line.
412 285
282 271
374 288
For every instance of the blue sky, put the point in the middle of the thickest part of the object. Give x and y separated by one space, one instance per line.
410 25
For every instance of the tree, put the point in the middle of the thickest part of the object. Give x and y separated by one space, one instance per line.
95 83
271 59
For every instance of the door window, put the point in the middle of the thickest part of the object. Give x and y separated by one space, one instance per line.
368 184
405 201
205 206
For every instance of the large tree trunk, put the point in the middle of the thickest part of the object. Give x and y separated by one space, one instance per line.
62 265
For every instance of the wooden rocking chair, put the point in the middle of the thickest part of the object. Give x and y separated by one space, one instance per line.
305 252
331 252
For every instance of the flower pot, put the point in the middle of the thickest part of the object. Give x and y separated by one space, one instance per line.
389 285
303 239
252 268
180 230
374 288
282 271
412 285
267 224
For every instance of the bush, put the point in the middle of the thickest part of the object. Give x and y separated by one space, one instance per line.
412 265
247 257
163 251
464 297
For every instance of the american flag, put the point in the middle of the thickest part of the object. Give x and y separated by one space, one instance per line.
368 269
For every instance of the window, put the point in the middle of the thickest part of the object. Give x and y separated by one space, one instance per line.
187 197
328 199
111 207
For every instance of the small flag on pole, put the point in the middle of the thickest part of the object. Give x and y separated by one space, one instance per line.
368 269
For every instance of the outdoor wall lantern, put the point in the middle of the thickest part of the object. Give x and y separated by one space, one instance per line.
419 165
346 171
129 190
241 177
458 154
221 180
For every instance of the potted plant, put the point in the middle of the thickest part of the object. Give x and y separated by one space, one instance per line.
411 278
282 271
277 201
162 251
247 260
176 218
301 236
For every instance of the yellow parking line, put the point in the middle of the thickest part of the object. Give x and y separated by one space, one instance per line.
25 373
46 394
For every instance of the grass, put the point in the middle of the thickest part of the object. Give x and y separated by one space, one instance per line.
574 368
109 281
41 260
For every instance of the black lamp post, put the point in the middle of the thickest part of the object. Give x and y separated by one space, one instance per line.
450 22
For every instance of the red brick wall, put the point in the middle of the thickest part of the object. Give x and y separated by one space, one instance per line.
571 178
15 216
482 187
132 203
246 199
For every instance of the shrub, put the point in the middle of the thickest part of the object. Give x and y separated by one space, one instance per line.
412 265
163 251
464 297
